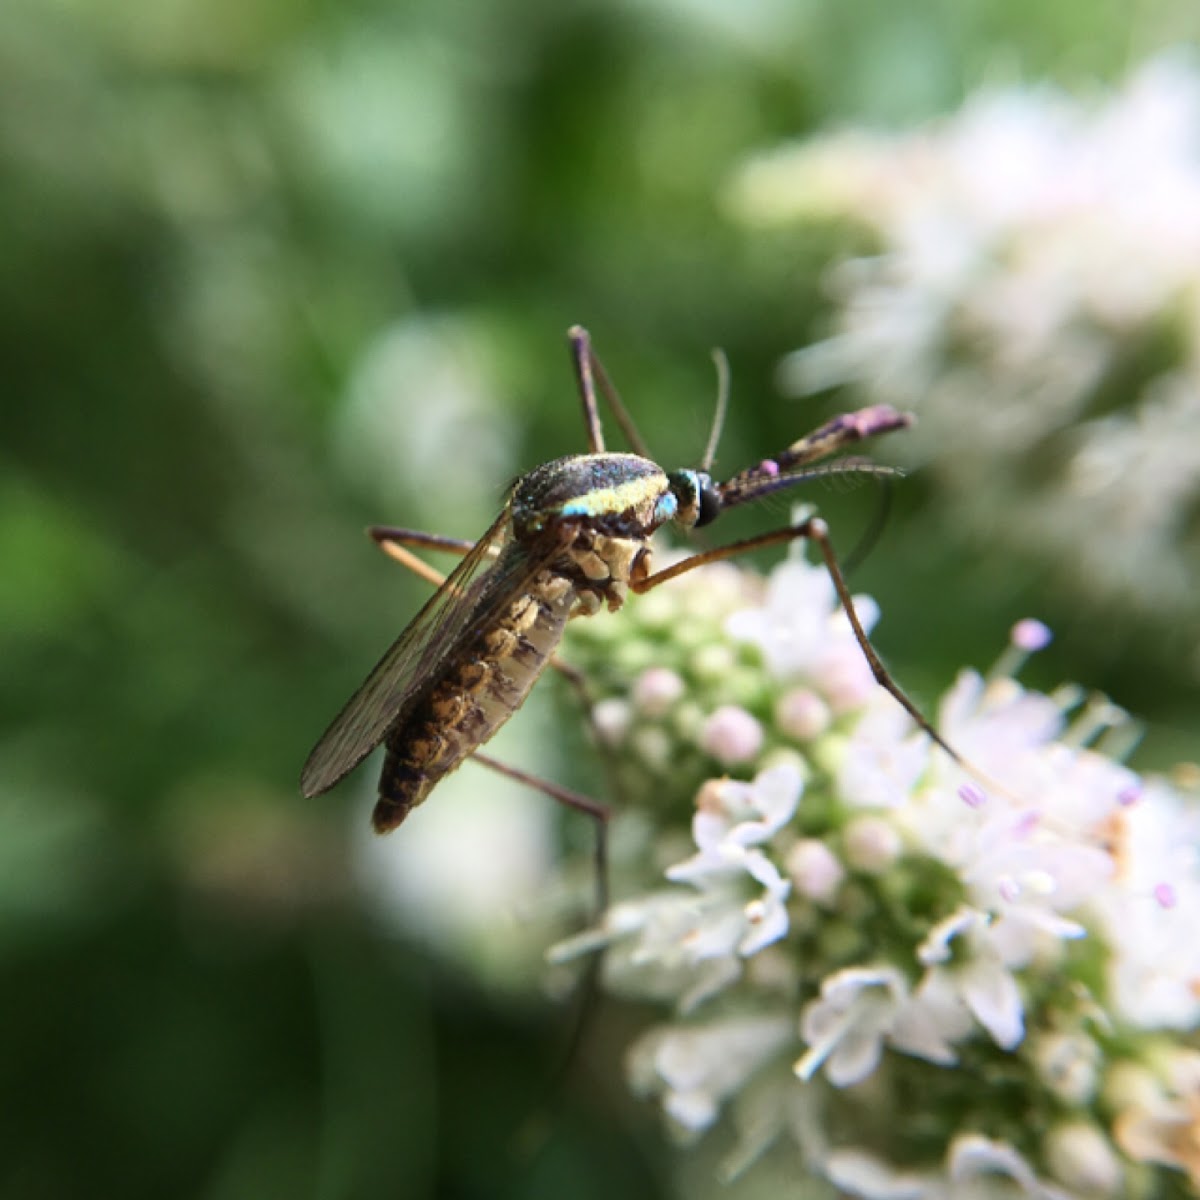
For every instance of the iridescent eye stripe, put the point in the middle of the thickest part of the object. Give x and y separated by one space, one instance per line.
616 500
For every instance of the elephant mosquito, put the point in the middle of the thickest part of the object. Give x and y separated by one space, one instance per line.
572 538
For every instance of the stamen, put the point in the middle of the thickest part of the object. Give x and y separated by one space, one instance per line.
1027 824
972 796
1098 715
1067 696
1026 637
1119 742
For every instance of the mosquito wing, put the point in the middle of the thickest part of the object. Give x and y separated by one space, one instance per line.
373 709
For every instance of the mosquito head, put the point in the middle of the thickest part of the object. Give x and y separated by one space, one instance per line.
697 498
710 499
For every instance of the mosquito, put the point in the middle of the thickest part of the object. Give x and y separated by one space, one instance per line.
572 538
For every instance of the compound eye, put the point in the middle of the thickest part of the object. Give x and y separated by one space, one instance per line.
685 488
710 501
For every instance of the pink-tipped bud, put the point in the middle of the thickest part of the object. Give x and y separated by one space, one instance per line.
731 735
656 691
872 844
1031 635
802 714
814 870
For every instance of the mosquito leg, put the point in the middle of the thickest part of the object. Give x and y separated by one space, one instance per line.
577 681
590 372
394 542
619 411
598 812
818 531
814 529
386 534
584 360
589 981
744 546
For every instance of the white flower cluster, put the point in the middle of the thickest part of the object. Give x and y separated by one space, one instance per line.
936 984
1036 299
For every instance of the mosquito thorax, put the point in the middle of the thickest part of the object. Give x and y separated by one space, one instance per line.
622 495
696 497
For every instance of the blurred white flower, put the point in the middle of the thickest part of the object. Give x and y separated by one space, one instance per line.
1158 1107
444 371
473 876
697 1068
860 1008
1084 1158
1038 260
802 633
692 943
1150 913
977 977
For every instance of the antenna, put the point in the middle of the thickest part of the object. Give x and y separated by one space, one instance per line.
721 362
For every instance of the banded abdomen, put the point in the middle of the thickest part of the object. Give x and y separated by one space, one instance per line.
479 686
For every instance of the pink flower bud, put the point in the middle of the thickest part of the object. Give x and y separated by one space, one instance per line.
731 735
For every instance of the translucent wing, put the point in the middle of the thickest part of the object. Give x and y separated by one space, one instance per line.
468 596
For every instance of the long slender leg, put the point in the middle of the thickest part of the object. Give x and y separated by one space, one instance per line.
598 812
383 534
394 542
589 371
588 982
583 360
619 411
817 531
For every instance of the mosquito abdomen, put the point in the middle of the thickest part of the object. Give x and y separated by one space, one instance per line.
478 688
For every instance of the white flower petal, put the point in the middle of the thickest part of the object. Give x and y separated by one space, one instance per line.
695 1111
767 921
972 1156
991 993
861 1174
856 1056
936 946
714 975
776 795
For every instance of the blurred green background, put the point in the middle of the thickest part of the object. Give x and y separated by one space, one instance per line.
271 271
